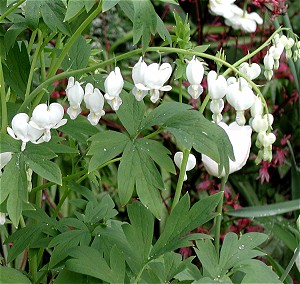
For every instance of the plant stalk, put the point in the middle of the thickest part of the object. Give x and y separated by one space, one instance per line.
180 181
218 219
4 120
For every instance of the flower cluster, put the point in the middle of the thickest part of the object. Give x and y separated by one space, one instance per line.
271 59
235 17
37 128
93 98
262 124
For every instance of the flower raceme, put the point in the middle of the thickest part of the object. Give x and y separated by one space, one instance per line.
113 85
191 163
194 74
240 139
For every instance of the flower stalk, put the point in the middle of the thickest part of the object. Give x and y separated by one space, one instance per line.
218 218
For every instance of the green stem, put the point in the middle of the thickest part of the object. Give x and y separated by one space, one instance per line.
67 74
290 265
4 121
61 202
33 63
180 90
218 218
11 9
250 55
73 38
31 41
43 67
155 133
33 267
204 104
180 181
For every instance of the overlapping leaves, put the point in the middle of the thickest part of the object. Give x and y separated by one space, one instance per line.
138 171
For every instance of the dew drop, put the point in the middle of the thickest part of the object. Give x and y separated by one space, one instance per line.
241 246
104 149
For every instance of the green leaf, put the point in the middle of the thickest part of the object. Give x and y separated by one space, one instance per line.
144 22
17 68
91 262
65 241
32 13
162 113
89 4
257 272
138 170
139 233
8 144
126 177
207 255
12 34
14 186
46 169
79 129
201 48
108 4
23 238
131 113
183 220
192 129
66 276
266 210
73 9
11 275
84 191
157 152
78 56
105 146
53 13
162 30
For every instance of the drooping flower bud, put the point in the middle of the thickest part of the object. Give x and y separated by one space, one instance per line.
75 94
113 85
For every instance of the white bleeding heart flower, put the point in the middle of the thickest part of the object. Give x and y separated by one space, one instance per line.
222 8
251 71
94 101
240 139
113 85
155 78
257 107
259 124
4 159
217 85
46 117
194 74
75 94
241 98
138 74
22 130
191 163
243 20
266 139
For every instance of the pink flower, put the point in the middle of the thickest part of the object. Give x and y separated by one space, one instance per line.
263 172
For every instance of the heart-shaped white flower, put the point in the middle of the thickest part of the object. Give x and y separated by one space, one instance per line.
191 163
